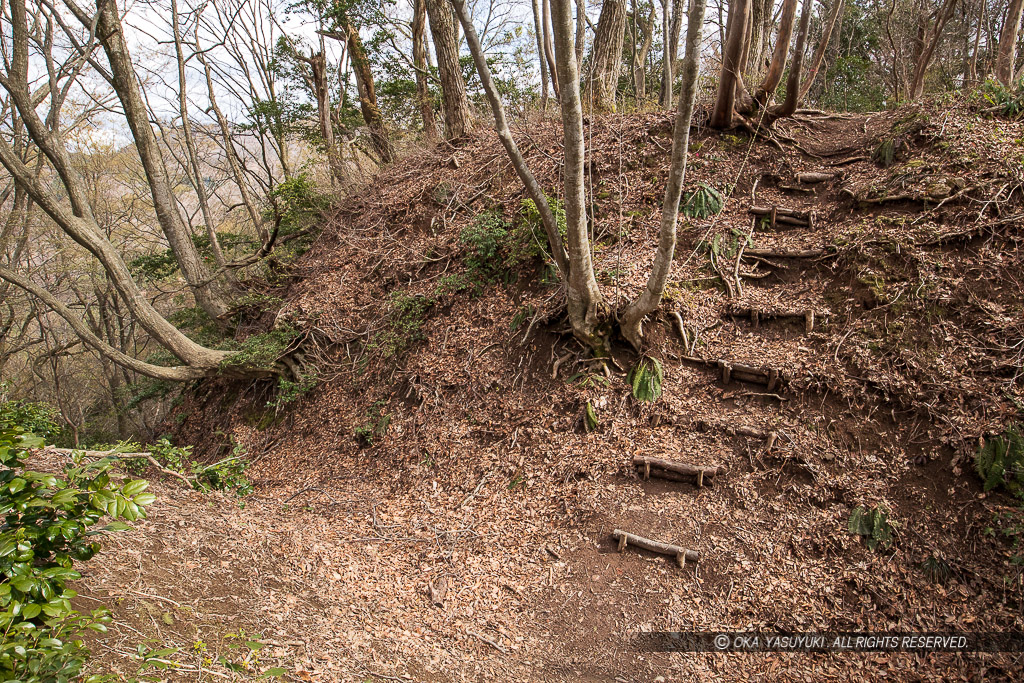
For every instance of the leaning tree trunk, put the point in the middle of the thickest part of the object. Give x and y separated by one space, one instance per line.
819 52
1007 55
533 188
211 292
584 297
631 320
606 56
419 62
539 28
735 33
453 88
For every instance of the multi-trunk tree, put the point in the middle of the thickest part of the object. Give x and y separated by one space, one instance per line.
588 313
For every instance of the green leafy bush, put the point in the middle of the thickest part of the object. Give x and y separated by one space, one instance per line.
50 522
376 425
224 475
703 202
1007 102
645 380
263 350
1000 461
38 419
296 202
873 524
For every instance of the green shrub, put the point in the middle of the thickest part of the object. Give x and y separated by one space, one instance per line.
296 203
1000 461
39 419
224 475
376 425
1007 102
50 522
703 202
263 350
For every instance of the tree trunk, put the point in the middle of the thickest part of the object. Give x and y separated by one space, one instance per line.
819 51
760 31
667 58
735 33
792 101
584 297
648 301
367 93
641 46
453 88
419 60
581 29
1007 56
606 56
549 50
779 56
211 293
540 29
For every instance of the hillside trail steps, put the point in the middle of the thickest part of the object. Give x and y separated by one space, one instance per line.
781 251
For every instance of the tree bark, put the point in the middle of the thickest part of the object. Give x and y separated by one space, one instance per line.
606 56
453 88
779 56
533 189
367 93
1007 56
735 33
632 319
211 292
584 297
419 61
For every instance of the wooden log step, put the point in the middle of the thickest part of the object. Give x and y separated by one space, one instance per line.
785 216
785 253
746 373
756 315
813 177
674 471
681 554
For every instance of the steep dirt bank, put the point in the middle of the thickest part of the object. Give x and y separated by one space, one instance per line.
445 445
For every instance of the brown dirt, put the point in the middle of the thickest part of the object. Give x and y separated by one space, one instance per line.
483 481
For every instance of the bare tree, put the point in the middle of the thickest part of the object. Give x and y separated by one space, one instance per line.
733 97
930 26
540 29
632 318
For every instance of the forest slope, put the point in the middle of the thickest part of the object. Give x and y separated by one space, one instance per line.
437 508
